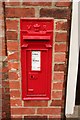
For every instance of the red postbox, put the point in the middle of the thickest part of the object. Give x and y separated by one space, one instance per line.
36 58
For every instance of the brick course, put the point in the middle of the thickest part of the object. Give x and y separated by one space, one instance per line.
19 12
11 35
37 3
55 13
61 25
61 37
63 4
11 24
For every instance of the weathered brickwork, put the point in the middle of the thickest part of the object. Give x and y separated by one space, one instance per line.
4 84
61 13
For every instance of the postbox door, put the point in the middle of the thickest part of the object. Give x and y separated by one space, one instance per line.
37 73
36 58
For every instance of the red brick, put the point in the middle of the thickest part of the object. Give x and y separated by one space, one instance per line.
60 25
5 83
16 102
15 93
11 24
48 111
1 10
56 103
4 115
59 67
14 117
5 69
1 90
55 13
37 117
1 17
20 12
61 37
5 96
35 103
4 76
55 117
12 46
58 86
37 3
14 85
63 3
11 35
7 90
20 111
13 56
13 65
57 94
58 76
3 52
13 76
3 43
17 3
59 58
60 47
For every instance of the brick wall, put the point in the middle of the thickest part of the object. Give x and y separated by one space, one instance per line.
61 13
4 84
1 61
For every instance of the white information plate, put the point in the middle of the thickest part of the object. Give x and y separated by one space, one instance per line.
36 60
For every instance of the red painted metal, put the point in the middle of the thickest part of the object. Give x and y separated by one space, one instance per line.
36 58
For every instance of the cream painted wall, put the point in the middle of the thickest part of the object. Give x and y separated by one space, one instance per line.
73 62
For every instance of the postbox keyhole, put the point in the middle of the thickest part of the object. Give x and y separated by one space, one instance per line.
32 76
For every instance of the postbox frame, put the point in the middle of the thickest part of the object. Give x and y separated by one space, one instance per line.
24 47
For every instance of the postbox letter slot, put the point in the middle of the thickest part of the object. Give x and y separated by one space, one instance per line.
36 38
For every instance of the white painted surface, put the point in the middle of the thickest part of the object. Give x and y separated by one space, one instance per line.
73 62
36 60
